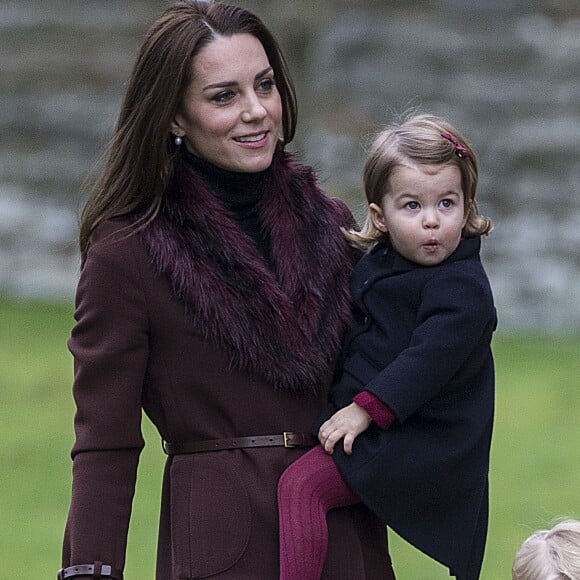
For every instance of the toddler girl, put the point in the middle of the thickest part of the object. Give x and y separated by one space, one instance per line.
413 397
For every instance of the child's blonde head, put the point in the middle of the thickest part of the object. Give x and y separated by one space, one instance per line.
550 554
420 140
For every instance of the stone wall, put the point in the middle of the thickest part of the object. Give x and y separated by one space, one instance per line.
505 72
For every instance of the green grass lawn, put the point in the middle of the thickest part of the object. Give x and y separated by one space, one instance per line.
535 470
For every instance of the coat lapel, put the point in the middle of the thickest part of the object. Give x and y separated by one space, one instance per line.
285 325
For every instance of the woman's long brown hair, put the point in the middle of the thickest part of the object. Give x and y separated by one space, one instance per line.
140 158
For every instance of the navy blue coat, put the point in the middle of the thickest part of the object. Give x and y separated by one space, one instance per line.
421 344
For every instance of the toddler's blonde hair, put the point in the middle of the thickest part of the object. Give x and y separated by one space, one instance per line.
421 140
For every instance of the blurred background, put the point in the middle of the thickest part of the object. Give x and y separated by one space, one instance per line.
506 73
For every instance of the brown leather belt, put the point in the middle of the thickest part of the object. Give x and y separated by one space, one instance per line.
287 439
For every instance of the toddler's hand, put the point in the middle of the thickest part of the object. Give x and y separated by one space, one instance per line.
348 423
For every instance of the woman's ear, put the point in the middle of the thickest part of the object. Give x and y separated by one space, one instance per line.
175 126
378 218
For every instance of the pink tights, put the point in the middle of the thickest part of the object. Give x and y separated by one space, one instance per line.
307 490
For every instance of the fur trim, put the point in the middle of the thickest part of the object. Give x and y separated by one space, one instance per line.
285 326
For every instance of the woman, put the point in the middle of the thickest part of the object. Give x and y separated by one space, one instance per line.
213 296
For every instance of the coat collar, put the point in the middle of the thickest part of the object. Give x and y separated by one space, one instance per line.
285 326
391 259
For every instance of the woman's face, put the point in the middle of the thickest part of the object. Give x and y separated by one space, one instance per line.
231 112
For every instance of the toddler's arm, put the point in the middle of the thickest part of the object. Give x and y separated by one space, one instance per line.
380 412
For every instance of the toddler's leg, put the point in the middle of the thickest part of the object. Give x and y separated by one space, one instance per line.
308 488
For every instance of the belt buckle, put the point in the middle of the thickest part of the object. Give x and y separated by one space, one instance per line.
287 436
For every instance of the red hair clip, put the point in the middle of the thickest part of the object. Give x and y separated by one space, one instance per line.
461 151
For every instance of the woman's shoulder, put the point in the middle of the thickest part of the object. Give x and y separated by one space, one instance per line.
304 180
112 227
342 209
115 238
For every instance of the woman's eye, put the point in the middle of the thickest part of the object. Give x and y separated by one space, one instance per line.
223 97
266 85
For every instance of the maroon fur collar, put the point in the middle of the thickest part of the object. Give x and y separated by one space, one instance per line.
284 327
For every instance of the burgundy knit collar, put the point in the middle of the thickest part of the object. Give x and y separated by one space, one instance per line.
284 326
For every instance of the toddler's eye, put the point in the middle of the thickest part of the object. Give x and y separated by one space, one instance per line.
447 203
412 205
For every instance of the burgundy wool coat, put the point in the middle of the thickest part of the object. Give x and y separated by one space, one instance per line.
184 321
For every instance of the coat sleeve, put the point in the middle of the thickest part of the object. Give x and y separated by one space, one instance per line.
109 343
455 315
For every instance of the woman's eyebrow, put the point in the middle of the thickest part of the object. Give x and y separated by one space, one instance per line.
225 84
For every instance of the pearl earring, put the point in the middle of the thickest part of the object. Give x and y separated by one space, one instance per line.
177 140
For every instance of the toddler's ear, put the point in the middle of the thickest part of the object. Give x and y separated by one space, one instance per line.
378 218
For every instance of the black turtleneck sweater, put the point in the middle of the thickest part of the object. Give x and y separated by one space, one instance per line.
240 194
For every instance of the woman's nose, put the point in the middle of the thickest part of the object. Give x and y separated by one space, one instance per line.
253 109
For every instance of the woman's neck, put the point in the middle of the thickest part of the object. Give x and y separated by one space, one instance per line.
240 193
237 190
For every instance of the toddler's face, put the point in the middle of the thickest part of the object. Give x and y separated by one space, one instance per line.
423 212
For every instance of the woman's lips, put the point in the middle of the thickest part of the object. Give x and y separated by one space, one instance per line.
252 140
